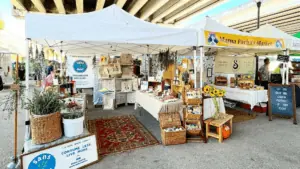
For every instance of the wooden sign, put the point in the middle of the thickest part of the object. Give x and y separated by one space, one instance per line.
77 153
282 101
15 87
283 58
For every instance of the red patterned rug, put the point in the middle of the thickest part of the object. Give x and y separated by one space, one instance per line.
119 134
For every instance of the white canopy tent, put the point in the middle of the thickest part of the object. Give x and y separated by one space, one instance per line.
108 31
292 43
231 42
208 24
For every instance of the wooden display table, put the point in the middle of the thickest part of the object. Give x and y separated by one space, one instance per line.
219 124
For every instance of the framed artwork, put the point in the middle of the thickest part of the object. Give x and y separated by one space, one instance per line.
209 72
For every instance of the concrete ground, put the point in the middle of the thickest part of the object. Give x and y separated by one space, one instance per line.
254 144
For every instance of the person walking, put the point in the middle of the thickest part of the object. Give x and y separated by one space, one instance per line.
50 68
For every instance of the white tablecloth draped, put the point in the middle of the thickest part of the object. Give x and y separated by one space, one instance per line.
252 97
209 108
155 106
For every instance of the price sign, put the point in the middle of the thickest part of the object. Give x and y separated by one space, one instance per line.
282 101
283 58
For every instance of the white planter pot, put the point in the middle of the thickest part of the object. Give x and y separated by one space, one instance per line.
73 127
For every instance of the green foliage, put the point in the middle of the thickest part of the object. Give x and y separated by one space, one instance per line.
71 110
44 103
73 114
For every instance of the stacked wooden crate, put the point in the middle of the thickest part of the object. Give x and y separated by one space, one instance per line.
196 134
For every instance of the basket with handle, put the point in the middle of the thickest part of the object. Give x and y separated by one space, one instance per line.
171 120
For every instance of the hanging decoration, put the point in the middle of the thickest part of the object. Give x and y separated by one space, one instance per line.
166 58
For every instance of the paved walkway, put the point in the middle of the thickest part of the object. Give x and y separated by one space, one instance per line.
255 144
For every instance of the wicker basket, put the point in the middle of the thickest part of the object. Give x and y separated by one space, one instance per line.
195 132
191 116
194 101
171 120
173 138
46 128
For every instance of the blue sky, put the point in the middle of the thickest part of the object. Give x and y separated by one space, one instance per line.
230 4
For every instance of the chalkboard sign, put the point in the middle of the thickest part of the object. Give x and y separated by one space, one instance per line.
283 58
282 100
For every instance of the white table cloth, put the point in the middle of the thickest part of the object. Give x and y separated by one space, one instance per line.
154 106
252 97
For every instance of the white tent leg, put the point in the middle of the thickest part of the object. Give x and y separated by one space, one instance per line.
287 68
195 65
27 127
201 65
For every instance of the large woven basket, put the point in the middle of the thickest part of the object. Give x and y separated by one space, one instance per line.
45 128
171 120
173 138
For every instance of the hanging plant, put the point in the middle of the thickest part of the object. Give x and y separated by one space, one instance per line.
166 58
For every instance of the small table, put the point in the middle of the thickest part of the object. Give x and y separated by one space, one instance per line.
218 123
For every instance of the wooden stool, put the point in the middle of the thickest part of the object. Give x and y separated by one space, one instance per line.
219 124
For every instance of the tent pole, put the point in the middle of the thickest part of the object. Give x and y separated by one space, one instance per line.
201 66
61 55
287 52
27 127
195 64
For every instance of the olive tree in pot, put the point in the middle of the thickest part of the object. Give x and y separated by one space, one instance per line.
45 117
73 117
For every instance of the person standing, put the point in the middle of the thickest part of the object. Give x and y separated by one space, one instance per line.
50 68
264 74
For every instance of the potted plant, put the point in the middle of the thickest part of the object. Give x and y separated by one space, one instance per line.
45 117
73 117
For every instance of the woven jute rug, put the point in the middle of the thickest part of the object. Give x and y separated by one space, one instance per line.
119 134
239 115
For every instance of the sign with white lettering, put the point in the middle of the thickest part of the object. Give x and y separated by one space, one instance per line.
282 100
70 155
81 69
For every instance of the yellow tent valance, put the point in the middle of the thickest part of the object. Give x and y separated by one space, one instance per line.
1 24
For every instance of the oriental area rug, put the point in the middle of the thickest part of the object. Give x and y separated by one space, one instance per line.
119 134
239 115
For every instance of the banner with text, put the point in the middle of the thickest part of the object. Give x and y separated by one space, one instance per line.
81 69
240 41
242 65
70 155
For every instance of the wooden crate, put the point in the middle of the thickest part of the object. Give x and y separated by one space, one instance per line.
193 101
191 116
171 120
195 132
